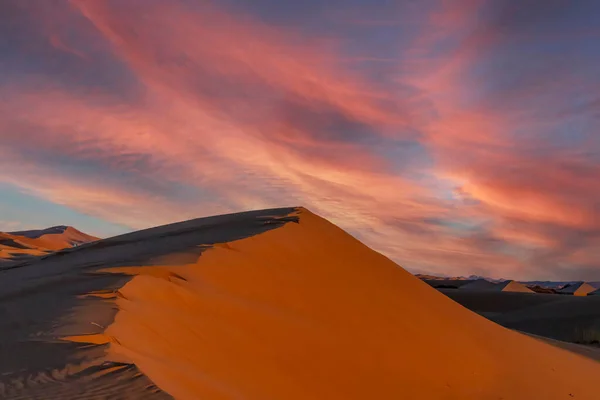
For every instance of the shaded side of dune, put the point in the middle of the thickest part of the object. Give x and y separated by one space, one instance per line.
566 318
496 301
45 299
571 319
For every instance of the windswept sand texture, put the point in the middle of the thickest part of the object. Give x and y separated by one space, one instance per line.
277 304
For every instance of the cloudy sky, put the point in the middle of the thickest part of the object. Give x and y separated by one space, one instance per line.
456 137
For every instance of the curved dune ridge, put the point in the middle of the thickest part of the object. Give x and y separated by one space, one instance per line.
39 242
274 304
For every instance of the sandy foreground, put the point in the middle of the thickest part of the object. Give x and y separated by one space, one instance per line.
273 304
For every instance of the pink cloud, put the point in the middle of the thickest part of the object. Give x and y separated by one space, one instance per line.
245 115
512 176
233 47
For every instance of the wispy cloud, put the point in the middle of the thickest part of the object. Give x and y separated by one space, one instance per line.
433 154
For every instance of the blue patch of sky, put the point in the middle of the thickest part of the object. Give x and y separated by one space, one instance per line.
408 158
534 46
34 212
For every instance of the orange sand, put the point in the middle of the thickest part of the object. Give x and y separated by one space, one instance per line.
305 311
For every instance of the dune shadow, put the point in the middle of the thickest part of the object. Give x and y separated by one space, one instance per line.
591 352
42 298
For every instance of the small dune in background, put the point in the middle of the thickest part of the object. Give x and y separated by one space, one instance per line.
40 242
272 304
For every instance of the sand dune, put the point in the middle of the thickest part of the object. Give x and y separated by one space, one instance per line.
275 304
54 238
506 286
577 289
40 242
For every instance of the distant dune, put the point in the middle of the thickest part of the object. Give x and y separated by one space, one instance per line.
577 289
273 304
39 242
506 286
457 281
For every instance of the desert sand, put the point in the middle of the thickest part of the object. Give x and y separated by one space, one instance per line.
577 289
506 286
40 242
273 304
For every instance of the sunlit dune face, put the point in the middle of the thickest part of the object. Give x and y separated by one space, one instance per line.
306 324
374 117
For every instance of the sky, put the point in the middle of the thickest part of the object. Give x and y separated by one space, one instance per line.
456 137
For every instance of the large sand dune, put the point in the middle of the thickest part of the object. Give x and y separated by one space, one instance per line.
275 304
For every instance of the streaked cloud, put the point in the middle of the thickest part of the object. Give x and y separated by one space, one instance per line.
464 143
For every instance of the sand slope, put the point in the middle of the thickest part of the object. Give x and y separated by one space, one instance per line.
514 286
281 304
